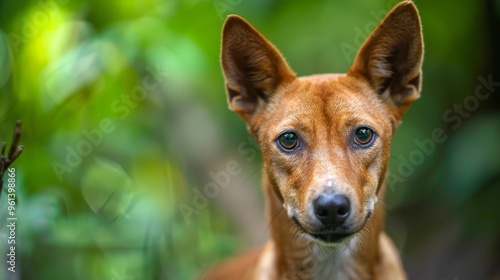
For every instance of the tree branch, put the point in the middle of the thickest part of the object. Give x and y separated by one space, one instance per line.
14 152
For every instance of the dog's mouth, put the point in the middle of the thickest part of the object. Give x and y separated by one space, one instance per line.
329 237
326 237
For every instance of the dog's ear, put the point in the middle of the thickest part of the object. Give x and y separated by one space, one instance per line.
253 68
391 58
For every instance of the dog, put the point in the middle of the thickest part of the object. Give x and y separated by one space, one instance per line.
325 142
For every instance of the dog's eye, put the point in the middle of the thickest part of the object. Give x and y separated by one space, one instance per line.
288 141
363 136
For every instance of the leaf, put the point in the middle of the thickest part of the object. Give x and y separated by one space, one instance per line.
107 189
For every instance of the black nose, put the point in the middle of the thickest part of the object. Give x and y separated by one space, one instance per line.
332 209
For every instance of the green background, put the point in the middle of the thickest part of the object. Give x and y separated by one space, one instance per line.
125 117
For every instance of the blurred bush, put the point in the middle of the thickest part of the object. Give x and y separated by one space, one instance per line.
125 121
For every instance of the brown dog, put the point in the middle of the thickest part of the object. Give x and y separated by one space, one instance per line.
325 141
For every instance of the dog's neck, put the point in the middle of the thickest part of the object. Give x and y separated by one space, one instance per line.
298 257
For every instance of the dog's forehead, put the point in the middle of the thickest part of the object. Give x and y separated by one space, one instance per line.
334 93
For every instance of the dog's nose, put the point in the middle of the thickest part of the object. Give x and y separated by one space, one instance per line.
332 209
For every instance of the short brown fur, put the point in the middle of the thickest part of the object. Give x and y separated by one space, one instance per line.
324 112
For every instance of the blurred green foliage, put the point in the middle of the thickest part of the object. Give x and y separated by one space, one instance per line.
125 117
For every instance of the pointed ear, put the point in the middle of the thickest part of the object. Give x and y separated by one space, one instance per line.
253 68
391 58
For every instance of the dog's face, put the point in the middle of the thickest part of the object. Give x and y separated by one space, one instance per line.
325 143
325 139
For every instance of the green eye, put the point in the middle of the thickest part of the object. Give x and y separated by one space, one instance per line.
363 136
288 140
